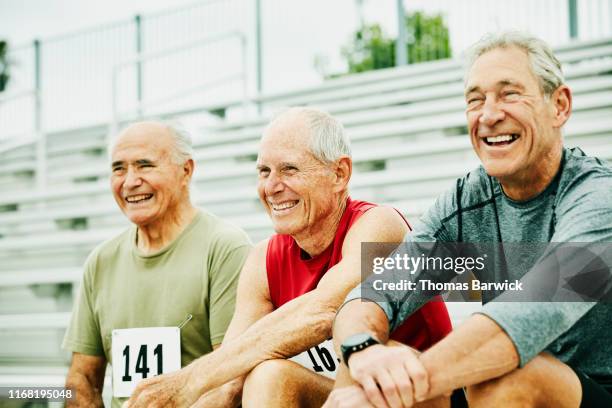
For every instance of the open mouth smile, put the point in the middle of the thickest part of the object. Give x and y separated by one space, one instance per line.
139 198
284 206
501 140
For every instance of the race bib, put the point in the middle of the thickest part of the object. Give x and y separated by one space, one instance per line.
321 359
143 353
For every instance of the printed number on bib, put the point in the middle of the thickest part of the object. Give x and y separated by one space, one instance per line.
143 353
321 359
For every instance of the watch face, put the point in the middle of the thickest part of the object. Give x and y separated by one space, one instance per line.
356 339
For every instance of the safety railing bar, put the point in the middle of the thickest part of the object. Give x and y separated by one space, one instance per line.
176 49
88 31
170 11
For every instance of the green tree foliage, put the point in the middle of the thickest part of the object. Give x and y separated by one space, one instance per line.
4 65
428 38
371 48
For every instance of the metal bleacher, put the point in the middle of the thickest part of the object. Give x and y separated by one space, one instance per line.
409 137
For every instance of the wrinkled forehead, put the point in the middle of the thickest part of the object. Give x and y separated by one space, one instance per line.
500 65
149 139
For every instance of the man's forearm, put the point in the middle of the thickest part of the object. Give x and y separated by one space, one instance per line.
291 329
360 316
85 393
476 351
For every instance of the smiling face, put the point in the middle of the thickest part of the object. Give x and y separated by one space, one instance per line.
514 129
296 189
147 185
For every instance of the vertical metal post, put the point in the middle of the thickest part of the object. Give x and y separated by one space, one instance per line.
114 125
139 49
245 89
401 56
41 138
573 18
258 46
359 4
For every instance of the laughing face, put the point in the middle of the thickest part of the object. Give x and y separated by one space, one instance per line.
513 128
147 185
294 187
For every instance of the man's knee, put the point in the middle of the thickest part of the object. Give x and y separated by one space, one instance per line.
268 374
544 381
284 383
508 390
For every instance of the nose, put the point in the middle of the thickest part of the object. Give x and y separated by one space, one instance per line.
132 178
491 113
273 184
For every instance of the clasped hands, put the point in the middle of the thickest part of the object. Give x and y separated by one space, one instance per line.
385 376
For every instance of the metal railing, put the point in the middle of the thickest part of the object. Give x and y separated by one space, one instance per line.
165 63
18 101
145 107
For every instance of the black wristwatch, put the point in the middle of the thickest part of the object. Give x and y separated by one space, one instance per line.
355 343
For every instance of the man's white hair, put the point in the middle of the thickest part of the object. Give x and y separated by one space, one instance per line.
183 142
328 140
545 66
182 146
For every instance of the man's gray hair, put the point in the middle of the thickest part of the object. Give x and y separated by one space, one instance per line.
544 64
328 140
182 142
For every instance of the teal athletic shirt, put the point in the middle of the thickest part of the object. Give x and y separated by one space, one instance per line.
575 207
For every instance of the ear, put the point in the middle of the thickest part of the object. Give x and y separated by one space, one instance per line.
188 169
342 173
561 100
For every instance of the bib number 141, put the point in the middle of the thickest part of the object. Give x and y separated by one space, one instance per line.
143 353
141 363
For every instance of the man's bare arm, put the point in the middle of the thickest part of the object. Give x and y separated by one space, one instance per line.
296 326
305 321
360 316
86 380
476 351
252 303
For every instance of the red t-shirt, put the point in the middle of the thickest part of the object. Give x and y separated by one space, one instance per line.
290 275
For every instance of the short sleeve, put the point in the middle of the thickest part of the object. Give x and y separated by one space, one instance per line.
83 333
223 281
399 305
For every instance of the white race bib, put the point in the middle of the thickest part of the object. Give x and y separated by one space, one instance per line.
321 359
143 353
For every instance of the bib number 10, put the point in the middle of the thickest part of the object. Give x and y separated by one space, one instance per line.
141 361
321 359
324 356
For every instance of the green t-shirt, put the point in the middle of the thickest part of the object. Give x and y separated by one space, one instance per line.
195 275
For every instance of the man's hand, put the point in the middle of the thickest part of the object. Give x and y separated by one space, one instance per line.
168 390
391 376
348 397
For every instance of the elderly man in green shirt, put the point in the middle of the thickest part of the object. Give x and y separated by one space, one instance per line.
161 293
